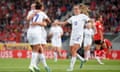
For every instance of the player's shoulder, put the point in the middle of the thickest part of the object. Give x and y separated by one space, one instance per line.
97 23
43 13
72 17
52 27
30 12
60 27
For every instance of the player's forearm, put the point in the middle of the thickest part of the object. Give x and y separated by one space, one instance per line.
61 34
39 23
63 23
48 20
30 17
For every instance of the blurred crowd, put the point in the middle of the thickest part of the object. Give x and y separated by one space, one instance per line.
13 25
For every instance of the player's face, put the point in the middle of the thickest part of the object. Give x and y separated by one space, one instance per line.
101 18
76 10
33 6
89 25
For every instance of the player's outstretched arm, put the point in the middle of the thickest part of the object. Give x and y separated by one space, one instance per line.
44 23
60 22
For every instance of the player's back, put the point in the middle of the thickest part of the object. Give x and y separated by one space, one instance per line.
39 17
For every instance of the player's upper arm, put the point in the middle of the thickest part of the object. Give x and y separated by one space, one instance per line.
29 14
93 31
46 17
51 30
61 30
87 19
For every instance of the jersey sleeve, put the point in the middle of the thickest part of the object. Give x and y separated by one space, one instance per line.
86 18
51 30
70 20
45 16
29 13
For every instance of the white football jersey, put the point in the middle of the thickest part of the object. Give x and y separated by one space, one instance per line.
78 22
88 33
56 32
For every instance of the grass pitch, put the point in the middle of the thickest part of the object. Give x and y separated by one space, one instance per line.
21 65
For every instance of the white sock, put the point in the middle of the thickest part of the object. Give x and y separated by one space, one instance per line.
98 59
38 61
43 59
87 55
35 62
72 62
80 57
32 59
55 56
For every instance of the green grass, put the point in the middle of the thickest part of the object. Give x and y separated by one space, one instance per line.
21 65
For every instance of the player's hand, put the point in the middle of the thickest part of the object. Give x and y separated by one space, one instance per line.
101 41
56 22
33 24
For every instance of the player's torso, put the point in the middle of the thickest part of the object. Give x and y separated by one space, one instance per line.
56 32
88 33
99 27
78 23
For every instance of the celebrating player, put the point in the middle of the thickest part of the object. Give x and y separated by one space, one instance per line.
56 33
37 20
78 21
88 35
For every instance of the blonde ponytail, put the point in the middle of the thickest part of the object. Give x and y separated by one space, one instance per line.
84 9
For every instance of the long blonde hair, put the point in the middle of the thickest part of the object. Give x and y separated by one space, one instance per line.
84 9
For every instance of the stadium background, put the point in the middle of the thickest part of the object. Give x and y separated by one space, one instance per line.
13 25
